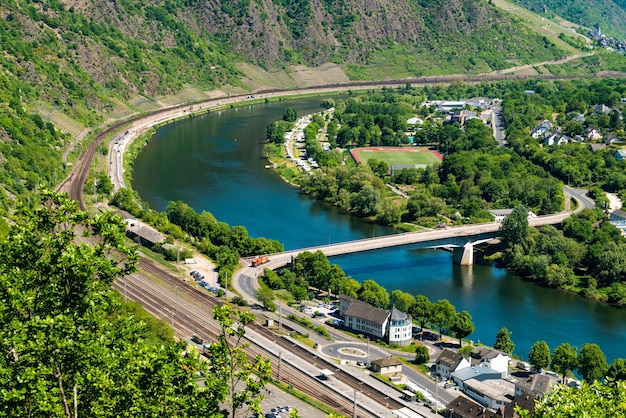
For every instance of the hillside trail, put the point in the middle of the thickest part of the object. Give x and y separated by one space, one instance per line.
536 64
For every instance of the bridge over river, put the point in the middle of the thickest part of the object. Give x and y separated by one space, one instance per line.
461 237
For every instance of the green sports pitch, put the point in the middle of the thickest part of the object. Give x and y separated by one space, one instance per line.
397 156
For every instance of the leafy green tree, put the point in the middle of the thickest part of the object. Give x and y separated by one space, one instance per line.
244 378
616 371
564 359
514 229
539 355
290 115
422 310
504 342
444 315
463 326
421 354
592 363
402 300
70 350
266 297
590 400
374 294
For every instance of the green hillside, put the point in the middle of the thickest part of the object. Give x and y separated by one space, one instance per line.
611 15
77 66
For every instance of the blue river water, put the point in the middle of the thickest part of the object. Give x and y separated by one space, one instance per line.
215 163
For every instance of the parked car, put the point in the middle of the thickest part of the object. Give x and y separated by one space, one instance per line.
196 339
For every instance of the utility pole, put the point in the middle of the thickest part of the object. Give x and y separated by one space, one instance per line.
354 405
280 314
280 361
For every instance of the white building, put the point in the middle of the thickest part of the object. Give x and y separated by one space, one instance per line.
493 359
394 326
400 327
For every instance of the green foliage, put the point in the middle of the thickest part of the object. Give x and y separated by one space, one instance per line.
514 229
422 356
266 297
374 294
242 377
444 316
69 342
590 400
592 363
504 342
539 355
564 359
463 326
224 244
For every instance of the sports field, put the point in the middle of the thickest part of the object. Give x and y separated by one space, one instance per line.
397 155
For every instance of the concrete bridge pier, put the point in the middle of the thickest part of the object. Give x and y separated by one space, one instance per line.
463 256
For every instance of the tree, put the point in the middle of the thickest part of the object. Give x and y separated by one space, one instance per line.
463 326
70 349
421 354
514 229
374 294
290 115
616 371
422 310
594 400
244 378
592 363
564 359
444 315
266 297
402 300
503 341
539 355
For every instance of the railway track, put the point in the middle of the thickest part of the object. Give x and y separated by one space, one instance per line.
202 297
188 318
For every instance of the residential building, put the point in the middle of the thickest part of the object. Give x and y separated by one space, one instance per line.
592 133
525 401
448 362
620 154
492 393
536 384
490 358
617 218
363 317
462 407
400 327
600 109
596 147
415 121
393 326
541 128
388 367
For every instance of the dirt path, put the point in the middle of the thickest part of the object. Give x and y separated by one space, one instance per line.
537 64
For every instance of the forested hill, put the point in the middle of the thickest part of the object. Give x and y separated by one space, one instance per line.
610 14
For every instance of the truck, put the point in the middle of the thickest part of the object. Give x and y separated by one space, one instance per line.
260 260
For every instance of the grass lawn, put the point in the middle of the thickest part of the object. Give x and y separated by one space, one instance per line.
396 155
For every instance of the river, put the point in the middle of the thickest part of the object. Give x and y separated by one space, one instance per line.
215 163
